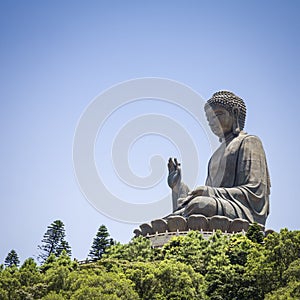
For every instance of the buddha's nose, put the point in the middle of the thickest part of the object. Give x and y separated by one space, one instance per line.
211 123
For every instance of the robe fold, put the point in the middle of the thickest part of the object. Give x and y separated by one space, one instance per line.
238 179
238 182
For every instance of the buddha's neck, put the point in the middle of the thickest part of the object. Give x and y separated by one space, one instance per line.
228 138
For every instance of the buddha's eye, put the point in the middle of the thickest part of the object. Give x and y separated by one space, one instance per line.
219 113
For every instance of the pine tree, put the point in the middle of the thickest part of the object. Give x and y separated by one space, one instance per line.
101 242
12 259
54 241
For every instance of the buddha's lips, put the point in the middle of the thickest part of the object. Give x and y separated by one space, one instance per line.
215 129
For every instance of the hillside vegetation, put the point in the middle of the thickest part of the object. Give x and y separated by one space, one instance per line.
188 267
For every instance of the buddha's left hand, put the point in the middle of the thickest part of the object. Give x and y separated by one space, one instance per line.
199 191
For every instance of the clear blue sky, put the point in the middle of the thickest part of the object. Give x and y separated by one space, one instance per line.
56 56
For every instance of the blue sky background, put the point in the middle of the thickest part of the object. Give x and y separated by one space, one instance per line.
56 56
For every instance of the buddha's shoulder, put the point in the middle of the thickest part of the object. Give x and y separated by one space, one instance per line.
249 139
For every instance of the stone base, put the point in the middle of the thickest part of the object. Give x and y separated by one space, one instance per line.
159 239
193 222
161 230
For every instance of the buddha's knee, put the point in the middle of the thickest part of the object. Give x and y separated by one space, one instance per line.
202 205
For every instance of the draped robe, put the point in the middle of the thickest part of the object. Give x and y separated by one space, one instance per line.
238 180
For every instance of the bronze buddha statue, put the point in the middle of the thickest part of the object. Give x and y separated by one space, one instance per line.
238 182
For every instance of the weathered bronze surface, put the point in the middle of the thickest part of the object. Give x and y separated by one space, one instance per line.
238 183
237 188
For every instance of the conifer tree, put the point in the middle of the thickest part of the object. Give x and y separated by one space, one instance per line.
54 241
12 259
101 242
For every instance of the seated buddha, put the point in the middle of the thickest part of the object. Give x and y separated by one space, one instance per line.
238 183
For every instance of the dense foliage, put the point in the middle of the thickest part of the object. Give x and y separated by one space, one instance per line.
187 267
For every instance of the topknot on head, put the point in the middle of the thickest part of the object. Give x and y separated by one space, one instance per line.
230 102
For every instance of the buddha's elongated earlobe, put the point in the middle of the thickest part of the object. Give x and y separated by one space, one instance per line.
236 126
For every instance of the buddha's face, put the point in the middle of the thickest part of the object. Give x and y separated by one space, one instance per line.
220 120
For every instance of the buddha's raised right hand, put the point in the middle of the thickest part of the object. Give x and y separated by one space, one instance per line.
174 178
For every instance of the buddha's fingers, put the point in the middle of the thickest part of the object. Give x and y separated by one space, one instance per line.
171 165
177 164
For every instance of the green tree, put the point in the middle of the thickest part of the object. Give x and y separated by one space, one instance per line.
49 263
179 281
293 272
29 273
220 258
226 276
31 280
54 241
291 289
12 259
282 249
138 249
168 279
53 296
255 234
57 270
3 294
268 263
190 249
289 292
100 244
9 283
97 283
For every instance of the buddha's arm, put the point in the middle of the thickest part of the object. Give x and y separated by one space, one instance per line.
179 194
179 188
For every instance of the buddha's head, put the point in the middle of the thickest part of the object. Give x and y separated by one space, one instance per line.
226 113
